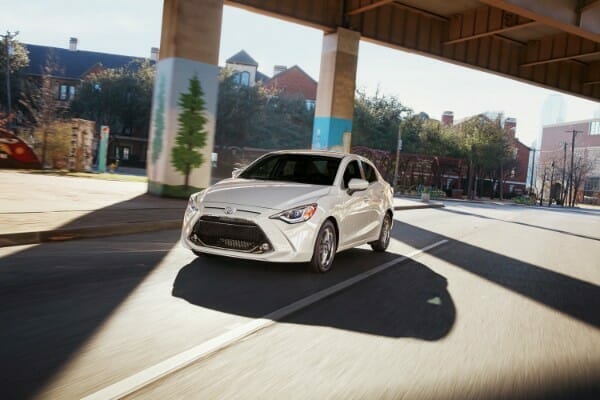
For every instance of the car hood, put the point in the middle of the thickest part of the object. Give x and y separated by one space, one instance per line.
266 194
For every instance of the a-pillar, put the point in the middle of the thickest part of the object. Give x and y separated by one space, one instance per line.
335 93
189 48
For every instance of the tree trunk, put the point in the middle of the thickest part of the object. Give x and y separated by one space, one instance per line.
470 183
501 182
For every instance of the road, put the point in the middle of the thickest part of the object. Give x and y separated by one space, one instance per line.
505 303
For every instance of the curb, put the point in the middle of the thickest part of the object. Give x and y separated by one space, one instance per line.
419 206
59 235
56 235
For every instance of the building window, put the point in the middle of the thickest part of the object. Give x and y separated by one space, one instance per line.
245 78
242 78
592 186
63 92
310 105
66 92
125 153
595 127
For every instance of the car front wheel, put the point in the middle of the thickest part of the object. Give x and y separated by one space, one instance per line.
325 247
382 243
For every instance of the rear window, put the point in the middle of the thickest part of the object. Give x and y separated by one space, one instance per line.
299 168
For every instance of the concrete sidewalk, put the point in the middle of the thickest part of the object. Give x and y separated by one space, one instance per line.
42 208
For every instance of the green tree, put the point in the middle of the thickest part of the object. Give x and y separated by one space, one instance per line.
191 134
238 109
484 146
254 116
120 98
376 120
283 122
19 60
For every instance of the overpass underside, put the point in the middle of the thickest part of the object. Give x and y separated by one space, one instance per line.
549 43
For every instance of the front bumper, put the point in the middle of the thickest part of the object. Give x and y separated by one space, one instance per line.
287 242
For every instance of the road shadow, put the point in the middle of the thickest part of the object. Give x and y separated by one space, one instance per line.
406 300
55 297
571 296
562 232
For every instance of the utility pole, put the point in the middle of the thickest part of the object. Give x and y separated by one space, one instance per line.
571 199
542 191
8 49
562 183
398 149
551 189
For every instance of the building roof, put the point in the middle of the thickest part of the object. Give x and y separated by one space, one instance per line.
242 58
72 64
294 81
260 77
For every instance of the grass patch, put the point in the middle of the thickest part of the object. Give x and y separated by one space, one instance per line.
177 191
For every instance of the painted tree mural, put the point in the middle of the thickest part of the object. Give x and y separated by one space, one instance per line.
191 135
159 121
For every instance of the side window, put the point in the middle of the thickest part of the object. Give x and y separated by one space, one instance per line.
370 174
352 171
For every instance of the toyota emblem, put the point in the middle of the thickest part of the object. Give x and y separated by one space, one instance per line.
229 210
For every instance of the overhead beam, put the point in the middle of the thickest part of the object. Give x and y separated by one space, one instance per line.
589 6
563 18
368 7
557 59
419 11
557 48
493 32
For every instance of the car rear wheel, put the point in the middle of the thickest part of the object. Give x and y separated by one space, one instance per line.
325 247
382 243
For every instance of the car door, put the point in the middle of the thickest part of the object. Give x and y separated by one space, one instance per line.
354 208
375 201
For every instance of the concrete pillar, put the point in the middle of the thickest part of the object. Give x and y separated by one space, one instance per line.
191 32
335 93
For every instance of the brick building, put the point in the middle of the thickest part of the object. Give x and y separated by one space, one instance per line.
294 82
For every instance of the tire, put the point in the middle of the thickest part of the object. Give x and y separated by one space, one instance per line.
325 248
382 243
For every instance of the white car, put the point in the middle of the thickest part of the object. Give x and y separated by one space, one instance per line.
292 206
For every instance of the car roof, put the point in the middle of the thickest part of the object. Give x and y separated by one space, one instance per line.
326 153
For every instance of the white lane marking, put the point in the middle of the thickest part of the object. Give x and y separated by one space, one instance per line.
143 378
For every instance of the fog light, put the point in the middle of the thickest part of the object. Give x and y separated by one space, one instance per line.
265 247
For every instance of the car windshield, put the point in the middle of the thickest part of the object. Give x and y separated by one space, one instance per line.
300 168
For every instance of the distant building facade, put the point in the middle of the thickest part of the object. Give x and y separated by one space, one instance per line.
293 81
67 69
558 137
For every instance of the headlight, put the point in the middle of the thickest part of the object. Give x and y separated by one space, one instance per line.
298 214
192 207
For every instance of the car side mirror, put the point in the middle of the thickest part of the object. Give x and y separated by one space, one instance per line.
357 185
236 172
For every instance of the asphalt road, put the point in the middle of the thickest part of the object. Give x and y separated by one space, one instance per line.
506 305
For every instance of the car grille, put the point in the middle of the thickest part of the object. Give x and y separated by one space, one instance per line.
231 234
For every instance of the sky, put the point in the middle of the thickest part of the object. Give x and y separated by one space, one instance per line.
132 27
